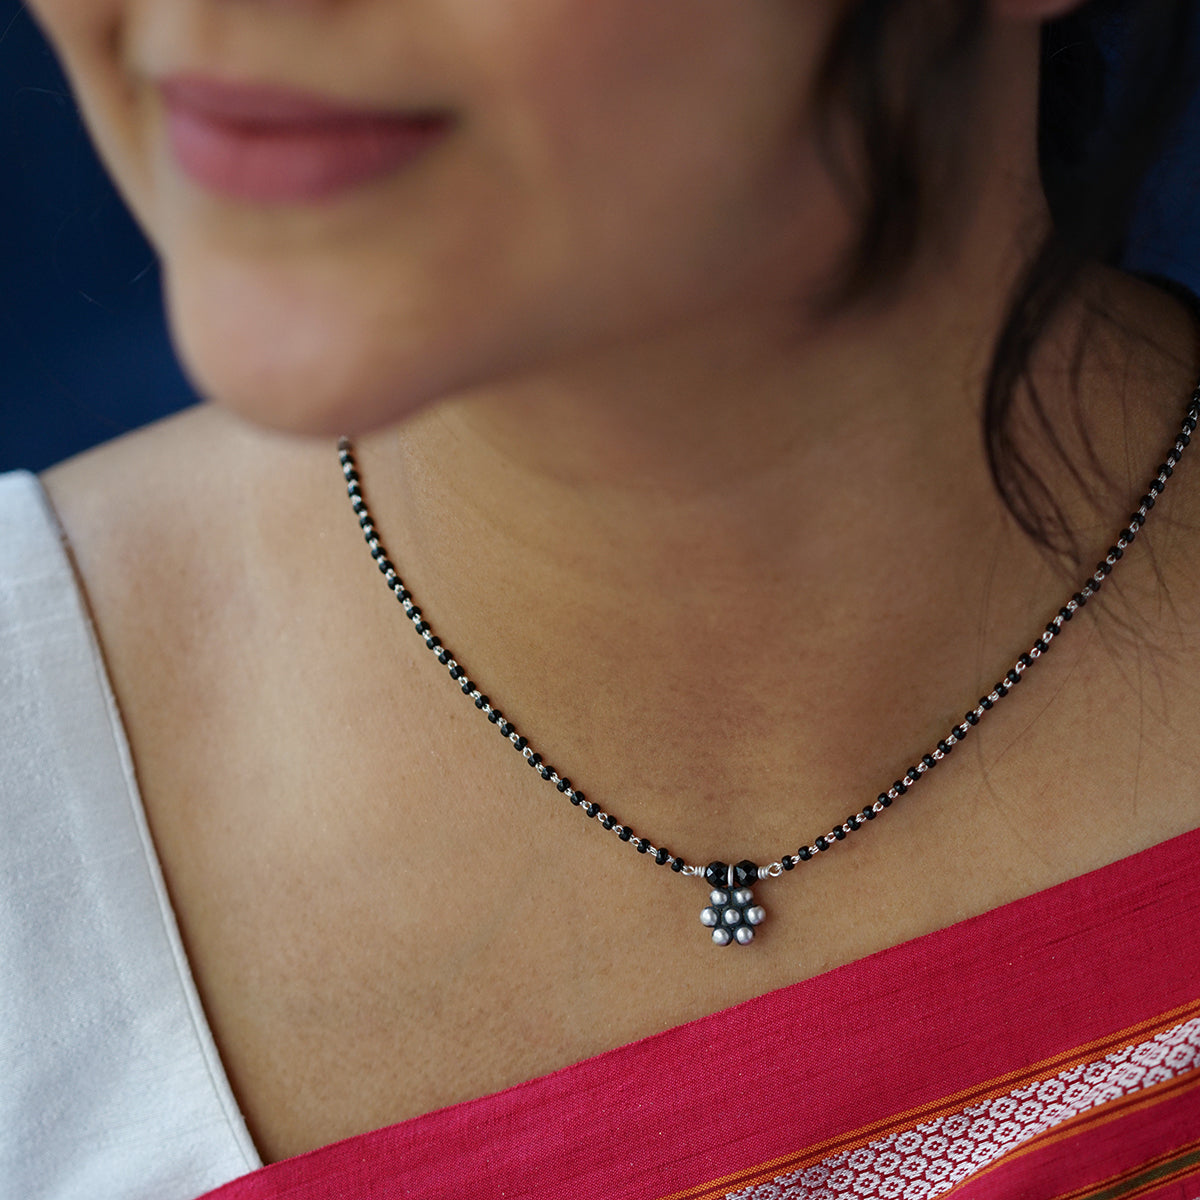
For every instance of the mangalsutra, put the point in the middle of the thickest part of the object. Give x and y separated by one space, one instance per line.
731 913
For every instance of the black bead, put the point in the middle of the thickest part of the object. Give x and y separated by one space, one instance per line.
985 702
972 718
384 564
839 833
563 785
929 760
443 656
1156 486
1116 552
661 856
1013 677
788 862
641 846
505 728
351 475
433 642
822 843
899 787
804 854
467 686
575 798
481 702
1147 501
403 595
455 671
535 760
853 821
625 833
590 808
1025 660
493 716
870 814
677 864
546 772
608 820
944 747
717 874
520 744
886 800
1103 568
745 873
421 627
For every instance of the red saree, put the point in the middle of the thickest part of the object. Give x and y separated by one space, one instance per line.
1049 1048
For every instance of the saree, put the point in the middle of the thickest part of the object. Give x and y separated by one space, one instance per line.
1047 1048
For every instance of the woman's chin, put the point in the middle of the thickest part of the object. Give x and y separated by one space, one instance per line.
301 373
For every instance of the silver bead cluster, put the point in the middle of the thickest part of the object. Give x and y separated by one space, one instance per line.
732 915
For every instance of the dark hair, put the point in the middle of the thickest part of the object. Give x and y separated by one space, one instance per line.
1114 78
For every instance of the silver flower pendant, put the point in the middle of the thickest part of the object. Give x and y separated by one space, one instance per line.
731 913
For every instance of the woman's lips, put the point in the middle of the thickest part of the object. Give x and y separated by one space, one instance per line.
270 145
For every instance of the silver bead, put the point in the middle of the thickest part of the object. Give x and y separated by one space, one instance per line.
732 916
718 897
709 917
722 937
756 914
744 935
742 897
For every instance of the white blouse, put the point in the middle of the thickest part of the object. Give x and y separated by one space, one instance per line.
110 1083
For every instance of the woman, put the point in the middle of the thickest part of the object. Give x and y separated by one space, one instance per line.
669 416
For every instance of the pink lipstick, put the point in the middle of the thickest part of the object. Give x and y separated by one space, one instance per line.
269 145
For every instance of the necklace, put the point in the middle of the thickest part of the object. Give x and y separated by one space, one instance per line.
731 913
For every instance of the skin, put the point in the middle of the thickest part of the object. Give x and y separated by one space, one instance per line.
728 564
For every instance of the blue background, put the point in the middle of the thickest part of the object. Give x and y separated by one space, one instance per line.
83 347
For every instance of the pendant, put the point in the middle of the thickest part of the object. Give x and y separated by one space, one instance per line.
731 913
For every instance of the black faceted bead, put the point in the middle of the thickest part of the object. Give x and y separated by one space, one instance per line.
661 856
717 874
745 873
677 864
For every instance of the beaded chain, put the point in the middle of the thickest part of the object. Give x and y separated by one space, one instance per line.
731 913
